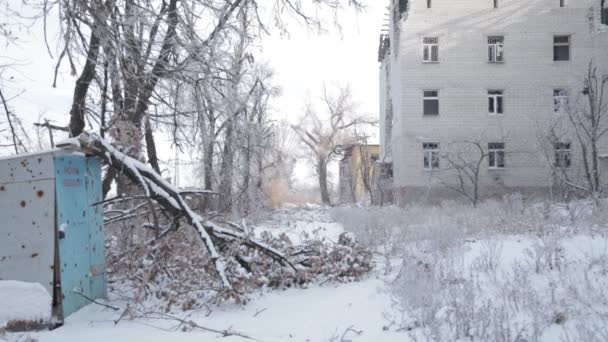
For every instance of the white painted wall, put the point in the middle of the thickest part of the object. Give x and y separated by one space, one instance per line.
463 77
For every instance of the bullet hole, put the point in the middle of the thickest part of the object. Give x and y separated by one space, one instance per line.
22 246
40 193
34 255
2 188
23 204
40 160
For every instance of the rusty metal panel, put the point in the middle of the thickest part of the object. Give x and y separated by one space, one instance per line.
27 219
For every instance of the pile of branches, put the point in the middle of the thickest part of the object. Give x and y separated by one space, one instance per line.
171 267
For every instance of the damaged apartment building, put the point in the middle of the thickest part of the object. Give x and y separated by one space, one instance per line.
479 98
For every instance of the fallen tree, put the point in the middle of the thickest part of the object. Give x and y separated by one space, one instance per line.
169 198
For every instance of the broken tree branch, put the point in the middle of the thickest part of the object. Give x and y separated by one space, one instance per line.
171 200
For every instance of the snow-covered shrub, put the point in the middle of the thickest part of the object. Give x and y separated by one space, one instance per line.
489 256
373 226
176 274
507 270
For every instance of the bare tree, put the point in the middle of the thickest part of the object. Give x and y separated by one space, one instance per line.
322 136
366 166
588 119
13 131
135 49
466 161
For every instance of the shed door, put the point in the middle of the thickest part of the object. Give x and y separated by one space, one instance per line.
96 236
72 211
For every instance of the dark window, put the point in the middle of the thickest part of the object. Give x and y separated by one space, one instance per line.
496 155
387 170
563 155
428 3
562 3
604 12
402 6
431 102
561 48
495 3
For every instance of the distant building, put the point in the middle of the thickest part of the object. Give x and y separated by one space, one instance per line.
461 79
357 166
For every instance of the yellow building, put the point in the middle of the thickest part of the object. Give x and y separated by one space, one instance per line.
357 181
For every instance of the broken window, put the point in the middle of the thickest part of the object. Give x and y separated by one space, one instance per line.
560 101
563 155
430 49
495 49
431 156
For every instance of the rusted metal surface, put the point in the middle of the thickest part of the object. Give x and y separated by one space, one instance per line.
27 215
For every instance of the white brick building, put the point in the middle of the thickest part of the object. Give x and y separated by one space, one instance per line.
458 72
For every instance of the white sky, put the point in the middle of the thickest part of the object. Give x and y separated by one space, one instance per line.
303 63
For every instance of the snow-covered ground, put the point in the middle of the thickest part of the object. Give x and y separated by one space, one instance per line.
506 271
21 301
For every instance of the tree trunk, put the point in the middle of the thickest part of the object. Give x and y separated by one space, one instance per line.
151 145
78 111
227 168
595 166
322 173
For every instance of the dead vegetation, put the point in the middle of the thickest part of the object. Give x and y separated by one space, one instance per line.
151 257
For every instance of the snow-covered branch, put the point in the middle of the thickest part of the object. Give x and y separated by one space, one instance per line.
171 200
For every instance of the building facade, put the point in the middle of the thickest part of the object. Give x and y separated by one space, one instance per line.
475 94
357 167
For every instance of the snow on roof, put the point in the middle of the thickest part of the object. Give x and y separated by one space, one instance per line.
32 154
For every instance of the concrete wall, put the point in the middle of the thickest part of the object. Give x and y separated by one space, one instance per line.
463 76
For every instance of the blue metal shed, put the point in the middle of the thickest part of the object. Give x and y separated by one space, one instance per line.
51 226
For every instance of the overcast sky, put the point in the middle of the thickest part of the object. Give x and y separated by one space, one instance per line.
303 61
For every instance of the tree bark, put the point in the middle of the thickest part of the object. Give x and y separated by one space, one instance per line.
151 145
322 173
227 167
78 110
